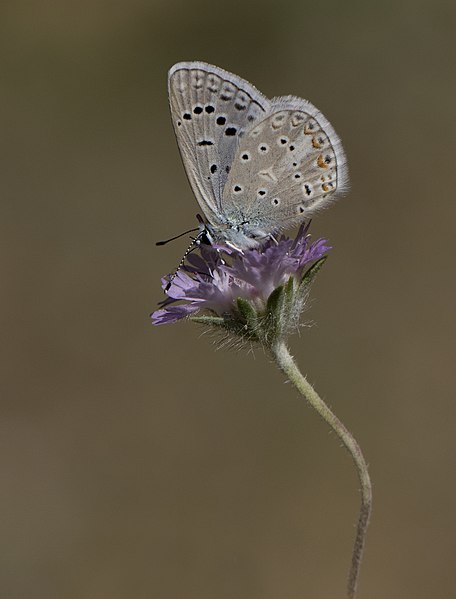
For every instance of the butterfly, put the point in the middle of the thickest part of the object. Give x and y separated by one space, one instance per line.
256 166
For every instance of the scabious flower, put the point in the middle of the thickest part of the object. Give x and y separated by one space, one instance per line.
257 294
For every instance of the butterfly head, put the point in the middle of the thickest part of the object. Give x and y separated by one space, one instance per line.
242 236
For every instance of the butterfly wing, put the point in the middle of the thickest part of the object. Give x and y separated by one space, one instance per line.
288 166
211 109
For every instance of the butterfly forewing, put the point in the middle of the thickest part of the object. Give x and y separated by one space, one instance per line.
211 109
287 166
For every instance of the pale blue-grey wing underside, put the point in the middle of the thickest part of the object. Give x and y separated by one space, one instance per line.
211 110
288 165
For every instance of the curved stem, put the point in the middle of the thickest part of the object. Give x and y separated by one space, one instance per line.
288 366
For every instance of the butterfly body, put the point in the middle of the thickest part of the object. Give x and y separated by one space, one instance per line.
256 166
243 235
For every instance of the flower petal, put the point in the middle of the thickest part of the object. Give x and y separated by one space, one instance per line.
218 276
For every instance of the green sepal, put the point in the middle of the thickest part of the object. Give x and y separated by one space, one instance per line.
274 302
286 305
310 274
228 323
272 324
289 297
249 315
247 311
216 321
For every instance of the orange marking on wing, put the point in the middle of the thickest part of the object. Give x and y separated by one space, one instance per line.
321 162
309 128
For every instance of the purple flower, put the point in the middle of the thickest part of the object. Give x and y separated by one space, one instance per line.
232 285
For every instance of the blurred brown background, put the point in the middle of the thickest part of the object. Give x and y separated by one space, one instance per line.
140 462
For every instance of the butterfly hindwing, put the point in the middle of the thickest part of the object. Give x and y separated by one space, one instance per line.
288 165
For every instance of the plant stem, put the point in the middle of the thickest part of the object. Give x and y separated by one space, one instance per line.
288 366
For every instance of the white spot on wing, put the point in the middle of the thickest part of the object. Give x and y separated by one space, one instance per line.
268 174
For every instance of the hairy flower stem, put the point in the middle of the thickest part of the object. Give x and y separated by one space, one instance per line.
288 366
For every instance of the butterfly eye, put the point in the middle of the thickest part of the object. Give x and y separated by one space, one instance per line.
204 239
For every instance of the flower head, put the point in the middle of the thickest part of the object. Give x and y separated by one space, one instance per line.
257 293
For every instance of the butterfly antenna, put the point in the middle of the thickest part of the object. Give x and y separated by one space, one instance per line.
176 237
190 248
